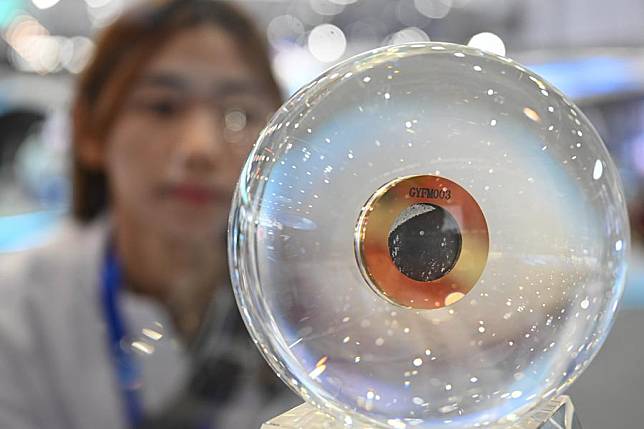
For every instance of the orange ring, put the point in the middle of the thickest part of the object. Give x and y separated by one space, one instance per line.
372 248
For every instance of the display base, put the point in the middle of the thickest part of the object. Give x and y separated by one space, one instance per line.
558 413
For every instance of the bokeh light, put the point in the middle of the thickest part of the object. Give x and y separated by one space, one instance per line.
406 35
326 7
103 12
284 28
97 3
45 4
327 43
34 49
29 40
433 8
79 51
488 42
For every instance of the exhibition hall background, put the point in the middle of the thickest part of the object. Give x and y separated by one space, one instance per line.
592 50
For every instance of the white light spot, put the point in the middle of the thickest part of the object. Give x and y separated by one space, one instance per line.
380 341
477 68
619 245
366 79
143 347
516 394
448 387
44 4
387 96
428 352
327 42
474 380
598 170
152 334
418 362
493 123
488 42
585 303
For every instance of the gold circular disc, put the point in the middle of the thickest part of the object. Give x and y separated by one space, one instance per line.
422 242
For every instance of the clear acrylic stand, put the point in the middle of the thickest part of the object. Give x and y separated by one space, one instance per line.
558 413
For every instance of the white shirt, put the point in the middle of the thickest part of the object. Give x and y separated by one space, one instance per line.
56 369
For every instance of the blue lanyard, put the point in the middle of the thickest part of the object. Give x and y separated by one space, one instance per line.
126 366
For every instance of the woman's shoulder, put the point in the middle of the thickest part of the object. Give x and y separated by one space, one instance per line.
42 284
50 330
72 249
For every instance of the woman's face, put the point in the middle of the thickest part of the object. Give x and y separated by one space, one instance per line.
177 147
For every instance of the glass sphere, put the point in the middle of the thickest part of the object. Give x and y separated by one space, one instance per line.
361 160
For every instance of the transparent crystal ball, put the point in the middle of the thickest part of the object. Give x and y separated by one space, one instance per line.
555 215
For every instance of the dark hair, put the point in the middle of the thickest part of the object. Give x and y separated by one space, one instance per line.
121 52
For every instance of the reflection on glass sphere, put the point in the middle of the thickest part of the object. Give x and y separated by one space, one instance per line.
552 235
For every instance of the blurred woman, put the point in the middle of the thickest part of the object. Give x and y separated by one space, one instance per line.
129 312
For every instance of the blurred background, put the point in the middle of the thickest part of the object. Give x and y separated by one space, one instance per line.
592 50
